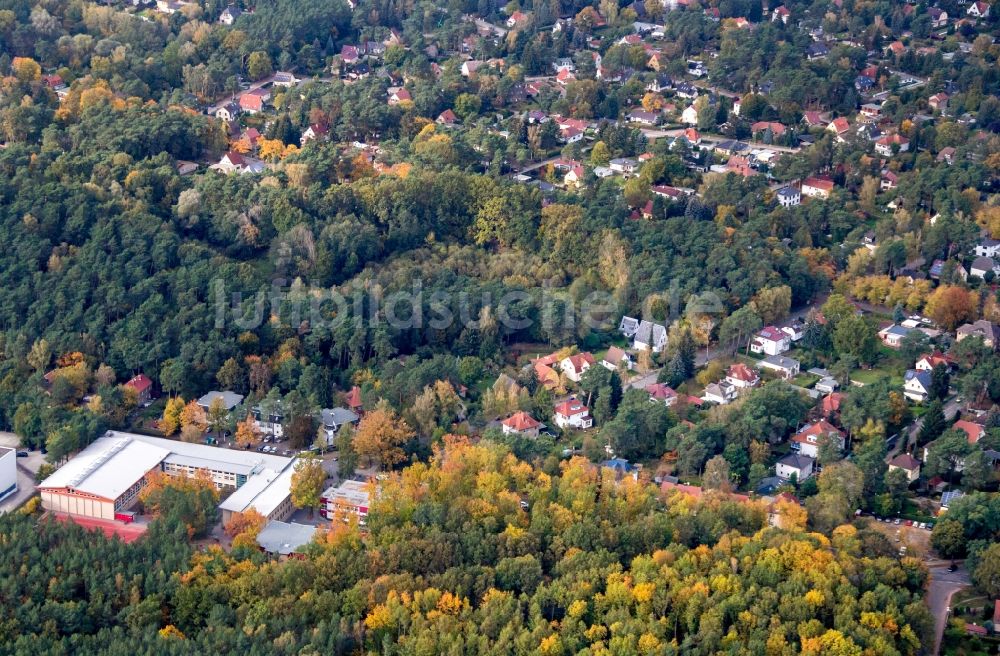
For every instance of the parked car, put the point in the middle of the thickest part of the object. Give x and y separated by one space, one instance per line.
896 522
909 522
922 525
22 454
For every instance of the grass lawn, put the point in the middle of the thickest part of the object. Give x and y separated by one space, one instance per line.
869 376
805 380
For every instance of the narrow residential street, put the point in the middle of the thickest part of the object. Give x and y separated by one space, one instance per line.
943 585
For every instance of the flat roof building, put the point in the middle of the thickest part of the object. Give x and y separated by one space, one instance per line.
284 538
107 476
349 498
8 472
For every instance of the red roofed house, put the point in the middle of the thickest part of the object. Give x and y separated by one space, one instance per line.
521 423
253 102
974 431
742 376
313 132
938 102
885 145
740 166
143 387
692 136
516 18
931 360
770 341
840 127
574 177
447 117
572 414
808 439
978 10
575 366
662 393
817 187
399 95
781 13
831 404
813 118
777 129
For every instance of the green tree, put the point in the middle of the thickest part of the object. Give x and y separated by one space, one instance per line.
259 65
948 539
308 480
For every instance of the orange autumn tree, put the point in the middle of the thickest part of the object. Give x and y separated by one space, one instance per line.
381 436
244 528
247 432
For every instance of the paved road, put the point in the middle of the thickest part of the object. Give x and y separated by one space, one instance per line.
710 139
26 468
943 585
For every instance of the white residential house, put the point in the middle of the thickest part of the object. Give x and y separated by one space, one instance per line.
987 248
690 116
574 366
983 265
917 385
978 10
228 112
807 440
617 359
624 165
770 341
722 392
794 330
650 336
789 197
794 464
628 326
233 162
741 376
662 393
817 187
521 423
783 366
269 421
572 414
892 336
229 15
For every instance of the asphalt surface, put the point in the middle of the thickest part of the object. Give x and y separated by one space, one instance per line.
26 469
943 585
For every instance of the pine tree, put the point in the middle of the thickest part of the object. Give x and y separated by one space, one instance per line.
940 382
933 425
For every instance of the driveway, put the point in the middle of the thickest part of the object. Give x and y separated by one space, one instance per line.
943 585
26 469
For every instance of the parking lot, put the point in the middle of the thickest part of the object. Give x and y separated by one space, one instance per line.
26 469
914 539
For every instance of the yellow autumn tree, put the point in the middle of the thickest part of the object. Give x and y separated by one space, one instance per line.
170 423
381 436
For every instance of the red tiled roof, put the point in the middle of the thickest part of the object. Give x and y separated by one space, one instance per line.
972 429
571 409
831 402
740 371
521 421
821 427
139 383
